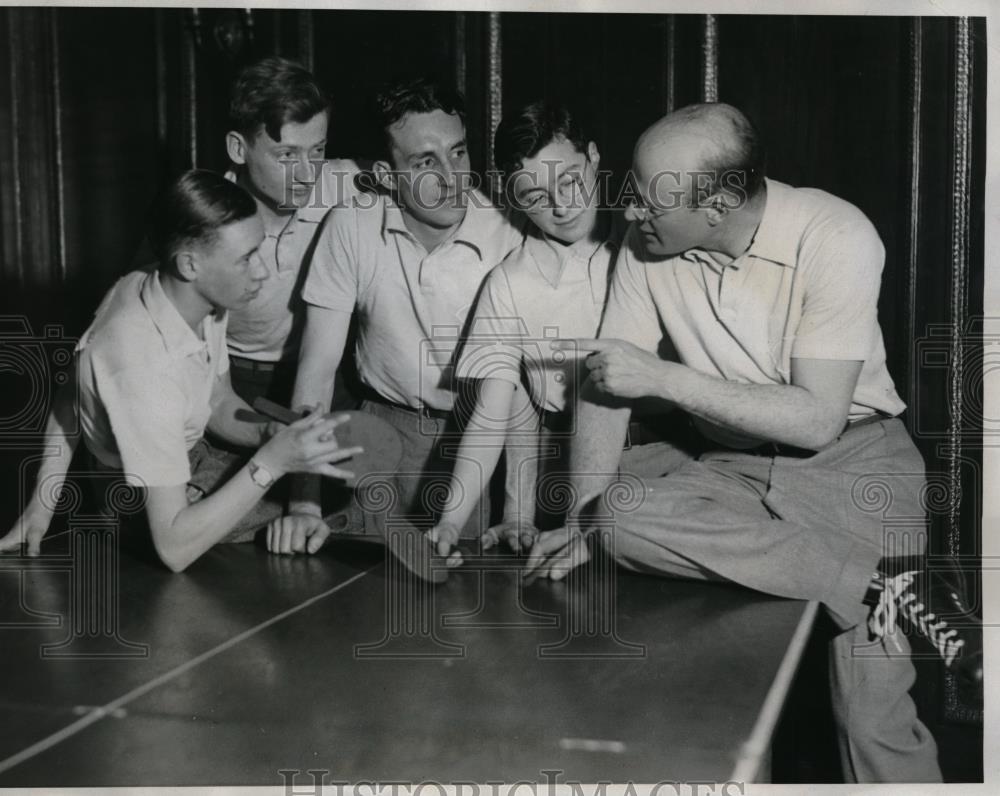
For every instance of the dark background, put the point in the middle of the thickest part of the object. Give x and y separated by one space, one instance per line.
103 105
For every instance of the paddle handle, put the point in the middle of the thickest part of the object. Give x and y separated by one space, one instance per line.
276 411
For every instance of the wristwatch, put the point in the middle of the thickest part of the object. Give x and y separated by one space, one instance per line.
260 475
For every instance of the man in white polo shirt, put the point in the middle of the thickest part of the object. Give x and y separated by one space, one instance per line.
410 263
153 376
553 285
769 295
279 116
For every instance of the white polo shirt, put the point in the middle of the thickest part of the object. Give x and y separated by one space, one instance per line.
265 330
541 292
807 288
412 303
146 381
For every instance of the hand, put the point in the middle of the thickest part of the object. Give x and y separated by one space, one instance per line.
620 368
557 552
308 445
272 427
27 529
519 535
296 533
444 536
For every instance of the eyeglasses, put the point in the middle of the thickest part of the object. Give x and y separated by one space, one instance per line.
644 213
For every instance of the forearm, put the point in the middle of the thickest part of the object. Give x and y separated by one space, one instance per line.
479 451
521 451
226 424
319 357
198 526
60 445
782 413
596 448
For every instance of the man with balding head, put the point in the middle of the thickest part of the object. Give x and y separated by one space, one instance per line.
768 295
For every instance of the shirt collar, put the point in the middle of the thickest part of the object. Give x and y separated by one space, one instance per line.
178 338
474 231
776 240
542 249
312 212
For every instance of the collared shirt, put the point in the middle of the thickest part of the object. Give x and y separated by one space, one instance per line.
412 303
146 381
807 287
265 330
541 292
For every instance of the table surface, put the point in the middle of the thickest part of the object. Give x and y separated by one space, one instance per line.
250 664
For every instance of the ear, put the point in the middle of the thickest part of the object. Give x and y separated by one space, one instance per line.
236 147
384 175
592 154
716 209
186 265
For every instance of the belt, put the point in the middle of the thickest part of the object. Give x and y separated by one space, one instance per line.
640 433
424 411
253 365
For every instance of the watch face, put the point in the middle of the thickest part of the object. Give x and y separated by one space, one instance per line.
260 475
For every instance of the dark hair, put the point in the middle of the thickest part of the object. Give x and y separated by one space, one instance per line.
421 95
273 92
737 160
193 208
523 133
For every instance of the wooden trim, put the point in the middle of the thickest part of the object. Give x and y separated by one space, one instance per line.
57 119
14 60
307 39
913 237
461 56
494 82
670 65
710 59
960 232
189 85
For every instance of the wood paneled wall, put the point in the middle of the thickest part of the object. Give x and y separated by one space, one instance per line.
101 105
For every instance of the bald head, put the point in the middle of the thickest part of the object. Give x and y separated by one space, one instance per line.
712 145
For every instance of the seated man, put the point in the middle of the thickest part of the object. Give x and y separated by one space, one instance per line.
553 285
279 117
410 263
769 295
153 375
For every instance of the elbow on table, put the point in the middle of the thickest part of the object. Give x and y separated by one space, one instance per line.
173 557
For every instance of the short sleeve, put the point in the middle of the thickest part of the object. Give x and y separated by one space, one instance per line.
332 281
843 269
630 313
146 414
494 346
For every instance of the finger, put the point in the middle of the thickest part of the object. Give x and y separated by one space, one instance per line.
298 538
576 554
11 541
582 344
544 545
454 560
512 538
527 540
330 454
318 538
331 472
285 546
489 538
